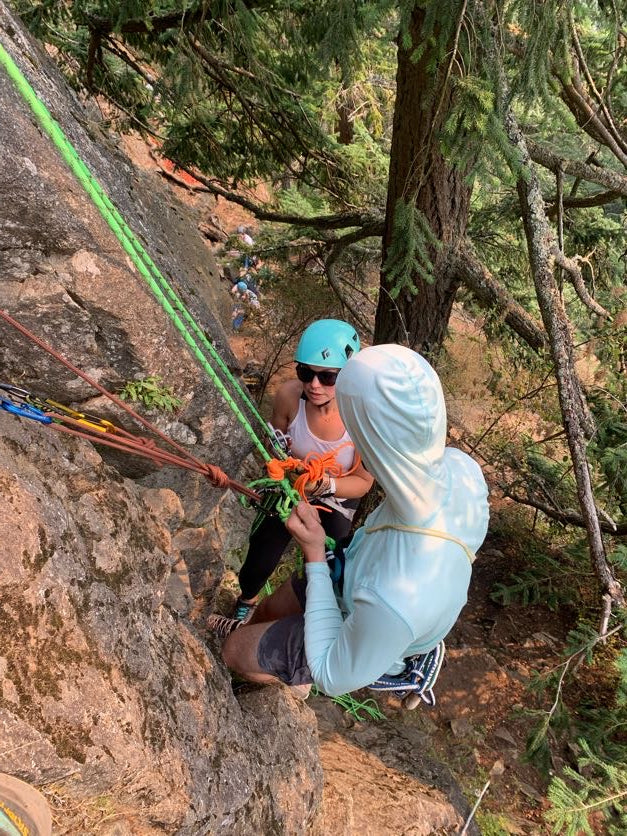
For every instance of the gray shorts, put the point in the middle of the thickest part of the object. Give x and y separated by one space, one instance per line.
281 649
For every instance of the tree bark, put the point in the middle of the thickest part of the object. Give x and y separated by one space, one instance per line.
612 180
491 295
419 171
575 416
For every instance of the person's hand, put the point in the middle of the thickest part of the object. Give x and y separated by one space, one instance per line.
304 526
325 486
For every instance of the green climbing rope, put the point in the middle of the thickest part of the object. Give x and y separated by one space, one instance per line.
140 258
149 271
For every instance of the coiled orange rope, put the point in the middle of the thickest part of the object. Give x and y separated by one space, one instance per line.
313 468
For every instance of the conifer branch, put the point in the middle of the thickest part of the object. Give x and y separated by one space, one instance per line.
566 516
210 59
588 76
341 220
490 294
571 267
597 199
338 246
155 23
612 180
576 416
268 127
121 52
93 52
587 117
336 286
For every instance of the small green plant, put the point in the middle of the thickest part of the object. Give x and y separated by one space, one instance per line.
354 707
493 824
598 786
151 392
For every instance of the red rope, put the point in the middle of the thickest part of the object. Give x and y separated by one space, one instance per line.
125 440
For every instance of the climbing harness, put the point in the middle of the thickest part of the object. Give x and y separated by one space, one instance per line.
416 682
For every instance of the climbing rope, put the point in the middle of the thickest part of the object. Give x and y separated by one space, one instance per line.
64 419
46 411
164 293
312 469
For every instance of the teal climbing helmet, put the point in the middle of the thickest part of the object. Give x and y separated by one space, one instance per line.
328 343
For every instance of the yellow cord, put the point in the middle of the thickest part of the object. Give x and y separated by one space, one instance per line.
429 531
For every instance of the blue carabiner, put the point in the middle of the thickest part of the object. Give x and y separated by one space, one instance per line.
25 411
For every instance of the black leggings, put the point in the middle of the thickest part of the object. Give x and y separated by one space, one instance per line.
269 541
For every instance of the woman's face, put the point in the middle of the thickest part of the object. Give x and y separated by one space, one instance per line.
317 392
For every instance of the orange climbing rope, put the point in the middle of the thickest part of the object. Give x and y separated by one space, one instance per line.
313 468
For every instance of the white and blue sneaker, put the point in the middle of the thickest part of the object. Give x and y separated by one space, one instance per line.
418 678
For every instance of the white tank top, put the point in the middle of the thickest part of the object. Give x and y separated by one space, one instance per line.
304 441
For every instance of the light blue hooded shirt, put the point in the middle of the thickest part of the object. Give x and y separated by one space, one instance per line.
403 590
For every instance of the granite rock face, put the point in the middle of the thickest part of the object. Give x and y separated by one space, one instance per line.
66 277
105 691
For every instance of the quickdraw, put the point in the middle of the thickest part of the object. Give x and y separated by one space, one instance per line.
14 403
22 402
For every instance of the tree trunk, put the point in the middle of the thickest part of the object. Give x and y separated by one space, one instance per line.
575 415
344 108
418 171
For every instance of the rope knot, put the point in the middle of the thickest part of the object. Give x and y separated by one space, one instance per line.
305 473
217 477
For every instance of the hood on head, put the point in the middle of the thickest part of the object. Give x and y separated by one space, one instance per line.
391 402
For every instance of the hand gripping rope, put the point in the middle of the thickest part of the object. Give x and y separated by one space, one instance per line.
311 470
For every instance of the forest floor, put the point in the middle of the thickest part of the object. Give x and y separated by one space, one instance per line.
482 719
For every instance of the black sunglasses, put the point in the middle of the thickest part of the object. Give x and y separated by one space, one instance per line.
306 374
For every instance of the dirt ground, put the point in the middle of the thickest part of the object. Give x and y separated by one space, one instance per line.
479 726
